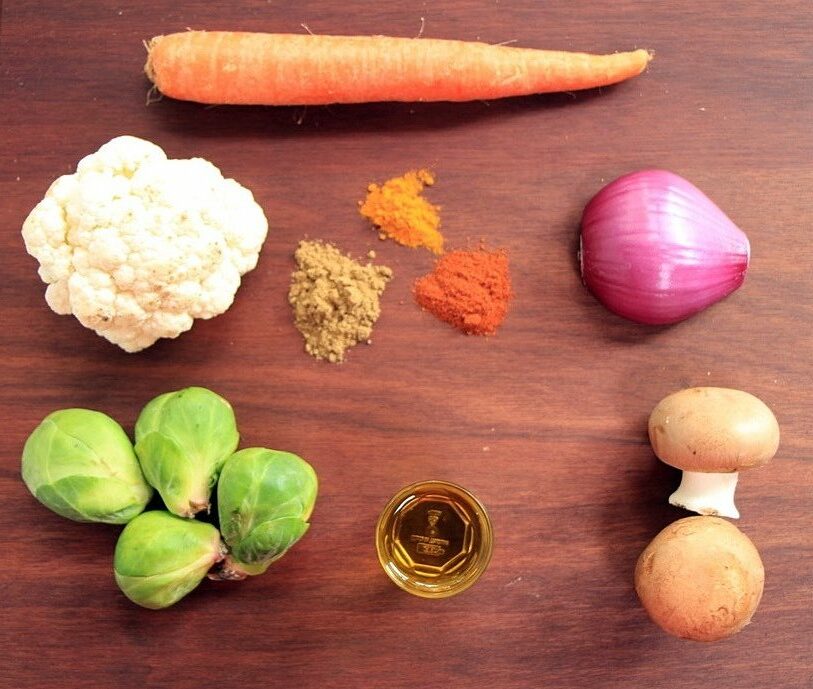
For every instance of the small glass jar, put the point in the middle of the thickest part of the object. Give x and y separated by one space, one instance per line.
434 539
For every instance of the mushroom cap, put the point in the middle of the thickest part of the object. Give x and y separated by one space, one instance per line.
713 430
700 578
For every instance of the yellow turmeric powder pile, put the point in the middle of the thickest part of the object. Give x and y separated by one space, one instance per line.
399 212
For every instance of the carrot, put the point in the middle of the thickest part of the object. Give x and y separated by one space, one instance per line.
291 69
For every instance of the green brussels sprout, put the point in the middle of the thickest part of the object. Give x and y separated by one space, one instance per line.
182 440
265 498
80 464
159 557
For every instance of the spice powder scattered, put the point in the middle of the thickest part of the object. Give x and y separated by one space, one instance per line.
335 299
399 211
468 289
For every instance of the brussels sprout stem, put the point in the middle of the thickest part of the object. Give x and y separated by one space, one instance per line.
197 501
227 570
230 569
195 506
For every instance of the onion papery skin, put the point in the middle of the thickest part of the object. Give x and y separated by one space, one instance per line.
656 250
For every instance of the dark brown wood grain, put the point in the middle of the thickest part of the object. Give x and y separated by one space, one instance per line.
544 422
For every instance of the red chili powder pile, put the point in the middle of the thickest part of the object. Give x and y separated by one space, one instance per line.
468 289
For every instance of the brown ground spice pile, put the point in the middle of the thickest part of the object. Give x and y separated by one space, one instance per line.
468 289
334 299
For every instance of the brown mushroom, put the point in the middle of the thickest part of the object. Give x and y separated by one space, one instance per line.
711 434
700 578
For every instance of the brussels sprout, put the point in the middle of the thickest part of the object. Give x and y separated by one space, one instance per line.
265 498
159 557
81 464
182 440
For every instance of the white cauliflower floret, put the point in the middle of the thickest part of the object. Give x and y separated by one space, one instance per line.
136 245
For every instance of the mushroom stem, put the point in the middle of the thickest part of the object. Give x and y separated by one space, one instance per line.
703 493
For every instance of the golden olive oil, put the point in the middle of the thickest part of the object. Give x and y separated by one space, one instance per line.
434 539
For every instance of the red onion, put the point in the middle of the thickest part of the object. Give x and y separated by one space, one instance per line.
655 249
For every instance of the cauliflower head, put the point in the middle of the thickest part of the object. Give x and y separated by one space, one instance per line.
137 245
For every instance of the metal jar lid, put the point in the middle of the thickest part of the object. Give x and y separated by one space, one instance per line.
434 539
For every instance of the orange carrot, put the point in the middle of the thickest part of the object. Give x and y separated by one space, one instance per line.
291 69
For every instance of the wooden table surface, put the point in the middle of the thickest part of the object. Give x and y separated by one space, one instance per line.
546 422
